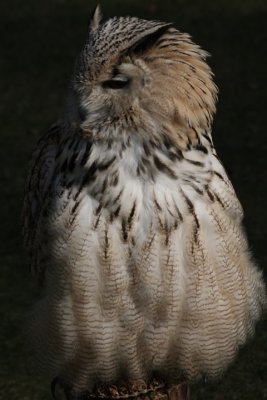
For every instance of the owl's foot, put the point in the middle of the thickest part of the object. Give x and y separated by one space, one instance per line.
179 392
135 390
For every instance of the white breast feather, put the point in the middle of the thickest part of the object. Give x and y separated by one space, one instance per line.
182 301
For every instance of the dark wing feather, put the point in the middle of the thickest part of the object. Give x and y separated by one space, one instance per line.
37 198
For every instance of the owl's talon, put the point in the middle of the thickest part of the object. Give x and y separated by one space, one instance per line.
53 386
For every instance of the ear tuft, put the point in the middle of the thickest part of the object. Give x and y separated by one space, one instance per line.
95 18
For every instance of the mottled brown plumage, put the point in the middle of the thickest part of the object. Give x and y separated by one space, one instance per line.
133 226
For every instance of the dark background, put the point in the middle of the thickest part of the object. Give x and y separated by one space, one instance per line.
39 43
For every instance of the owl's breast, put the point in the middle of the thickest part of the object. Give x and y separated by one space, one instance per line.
149 267
118 267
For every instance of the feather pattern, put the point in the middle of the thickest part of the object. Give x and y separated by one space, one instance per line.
134 228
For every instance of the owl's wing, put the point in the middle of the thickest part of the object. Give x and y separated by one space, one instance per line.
224 290
37 197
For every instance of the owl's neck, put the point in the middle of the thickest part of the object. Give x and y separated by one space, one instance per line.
139 154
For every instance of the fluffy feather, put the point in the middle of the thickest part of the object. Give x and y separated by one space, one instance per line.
133 225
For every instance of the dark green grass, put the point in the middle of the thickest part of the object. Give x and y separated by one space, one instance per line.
39 41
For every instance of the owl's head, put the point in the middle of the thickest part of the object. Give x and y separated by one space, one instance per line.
141 76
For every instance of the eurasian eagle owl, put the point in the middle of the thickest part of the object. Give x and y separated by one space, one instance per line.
133 226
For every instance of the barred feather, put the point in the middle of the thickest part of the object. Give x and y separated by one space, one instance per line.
134 228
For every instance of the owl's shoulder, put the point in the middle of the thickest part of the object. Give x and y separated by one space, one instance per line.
36 191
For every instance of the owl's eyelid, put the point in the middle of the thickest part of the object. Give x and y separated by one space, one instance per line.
120 77
117 82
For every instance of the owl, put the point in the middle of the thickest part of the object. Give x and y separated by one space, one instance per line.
133 226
